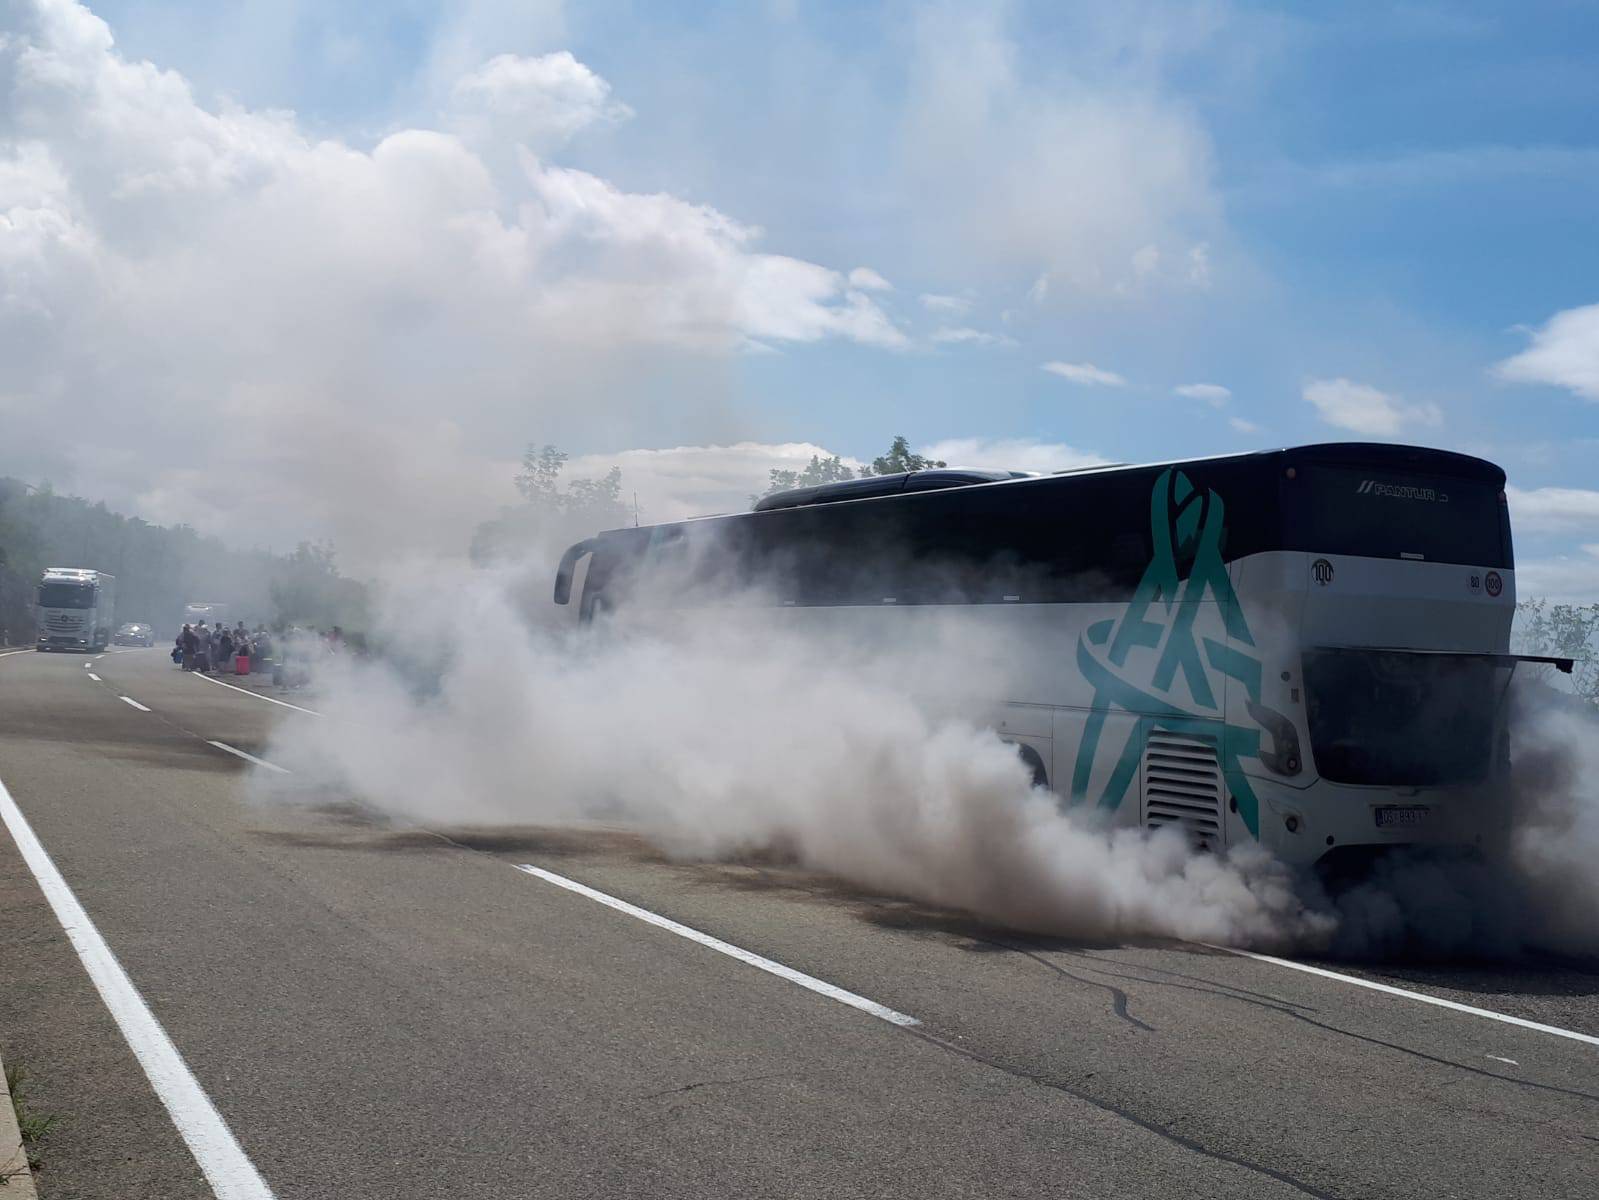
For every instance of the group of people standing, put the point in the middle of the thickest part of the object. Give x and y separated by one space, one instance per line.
203 648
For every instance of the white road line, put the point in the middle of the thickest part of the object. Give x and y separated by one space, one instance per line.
9 653
260 762
132 701
227 1168
257 695
745 956
94 677
87 665
1589 1038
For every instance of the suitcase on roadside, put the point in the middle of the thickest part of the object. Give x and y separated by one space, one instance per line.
241 664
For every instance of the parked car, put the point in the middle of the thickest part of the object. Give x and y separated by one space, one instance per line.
135 634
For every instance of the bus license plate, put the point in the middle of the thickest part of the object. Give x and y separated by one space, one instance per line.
1401 817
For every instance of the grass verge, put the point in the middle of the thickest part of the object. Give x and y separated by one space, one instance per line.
35 1127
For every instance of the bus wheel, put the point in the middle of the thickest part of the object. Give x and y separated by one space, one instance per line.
1034 762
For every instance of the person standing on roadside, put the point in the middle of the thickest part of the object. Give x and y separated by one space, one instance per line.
224 650
188 642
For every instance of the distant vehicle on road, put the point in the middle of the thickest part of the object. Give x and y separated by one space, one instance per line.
76 609
1304 648
212 614
134 633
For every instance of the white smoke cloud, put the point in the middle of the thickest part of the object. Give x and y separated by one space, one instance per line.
694 481
210 310
1094 183
861 753
721 739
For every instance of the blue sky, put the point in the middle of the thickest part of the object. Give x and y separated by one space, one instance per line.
1373 204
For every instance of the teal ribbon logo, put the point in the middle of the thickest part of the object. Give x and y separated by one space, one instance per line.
1187 527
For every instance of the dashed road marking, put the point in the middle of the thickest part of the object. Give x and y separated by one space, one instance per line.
820 986
132 701
247 692
94 677
260 762
227 1168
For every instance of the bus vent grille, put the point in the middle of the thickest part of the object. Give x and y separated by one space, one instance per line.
1183 786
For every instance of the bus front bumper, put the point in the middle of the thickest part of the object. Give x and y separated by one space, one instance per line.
1302 826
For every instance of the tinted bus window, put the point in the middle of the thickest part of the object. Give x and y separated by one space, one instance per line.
1382 513
1398 719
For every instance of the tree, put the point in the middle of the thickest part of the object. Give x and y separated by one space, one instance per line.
549 516
818 470
1564 631
308 590
899 458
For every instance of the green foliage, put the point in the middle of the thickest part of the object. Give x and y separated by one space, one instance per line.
899 458
821 470
33 1126
159 569
1563 631
548 516
308 590
818 470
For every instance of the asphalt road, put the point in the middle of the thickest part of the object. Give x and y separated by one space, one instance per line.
380 1012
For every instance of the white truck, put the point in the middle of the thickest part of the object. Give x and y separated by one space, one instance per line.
76 609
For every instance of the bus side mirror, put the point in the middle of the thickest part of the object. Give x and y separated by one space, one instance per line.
568 567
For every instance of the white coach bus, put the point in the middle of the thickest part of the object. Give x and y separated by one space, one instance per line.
1307 648
76 609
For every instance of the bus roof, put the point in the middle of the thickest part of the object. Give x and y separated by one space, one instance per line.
873 488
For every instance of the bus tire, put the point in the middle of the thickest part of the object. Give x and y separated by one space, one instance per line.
1034 762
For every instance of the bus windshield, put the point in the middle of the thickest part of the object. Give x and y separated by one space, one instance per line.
66 595
1379 512
1401 719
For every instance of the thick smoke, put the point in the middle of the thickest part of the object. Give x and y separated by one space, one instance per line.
1538 892
723 737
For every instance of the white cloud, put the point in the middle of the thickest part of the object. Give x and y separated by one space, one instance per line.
864 279
1564 353
963 335
1211 393
258 328
1013 454
689 481
1085 175
1084 373
949 306
1552 509
1242 426
1564 579
540 102
1361 408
